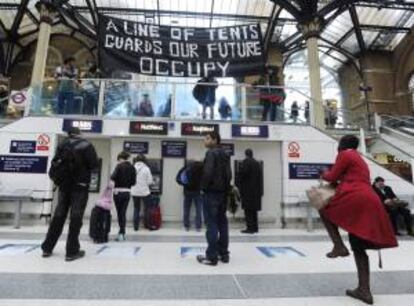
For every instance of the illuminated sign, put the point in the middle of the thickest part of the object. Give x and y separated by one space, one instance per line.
198 129
148 128
89 126
251 131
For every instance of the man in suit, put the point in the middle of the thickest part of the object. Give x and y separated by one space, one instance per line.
388 197
250 184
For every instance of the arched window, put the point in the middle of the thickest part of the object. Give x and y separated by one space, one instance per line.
411 89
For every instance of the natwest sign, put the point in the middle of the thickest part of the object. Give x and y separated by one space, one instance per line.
198 129
149 128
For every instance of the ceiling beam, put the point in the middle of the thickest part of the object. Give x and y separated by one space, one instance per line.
32 16
288 6
211 13
93 11
135 11
276 10
18 19
357 28
378 28
394 5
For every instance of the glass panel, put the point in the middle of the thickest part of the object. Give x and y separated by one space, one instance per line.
214 101
66 97
124 99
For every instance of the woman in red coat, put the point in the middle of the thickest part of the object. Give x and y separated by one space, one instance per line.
357 209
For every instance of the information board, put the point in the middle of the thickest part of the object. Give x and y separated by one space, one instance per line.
23 146
23 164
307 171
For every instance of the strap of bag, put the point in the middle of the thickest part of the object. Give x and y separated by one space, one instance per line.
379 259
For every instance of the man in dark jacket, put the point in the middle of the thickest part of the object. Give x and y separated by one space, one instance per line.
250 184
192 190
73 195
387 197
205 94
215 184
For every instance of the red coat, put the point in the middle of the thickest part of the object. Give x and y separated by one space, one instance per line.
356 207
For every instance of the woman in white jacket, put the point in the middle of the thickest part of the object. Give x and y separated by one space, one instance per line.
141 190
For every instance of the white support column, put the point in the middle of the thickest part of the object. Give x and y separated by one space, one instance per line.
39 65
243 90
45 29
310 32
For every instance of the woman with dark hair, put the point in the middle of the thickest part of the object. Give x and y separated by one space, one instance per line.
141 190
357 209
124 177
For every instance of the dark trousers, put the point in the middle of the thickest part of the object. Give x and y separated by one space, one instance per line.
405 213
251 220
66 102
269 106
90 103
137 208
189 198
121 200
217 233
76 201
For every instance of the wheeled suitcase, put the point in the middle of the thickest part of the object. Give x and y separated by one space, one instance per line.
152 217
100 224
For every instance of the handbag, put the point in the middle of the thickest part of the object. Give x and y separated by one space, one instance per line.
320 196
399 204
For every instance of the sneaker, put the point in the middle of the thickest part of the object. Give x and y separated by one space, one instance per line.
187 229
247 231
224 258
46 254
205 261
73 257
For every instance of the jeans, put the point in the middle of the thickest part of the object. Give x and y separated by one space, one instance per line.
217 233
66 102
76 201
189 198
121 200
273 111
137 208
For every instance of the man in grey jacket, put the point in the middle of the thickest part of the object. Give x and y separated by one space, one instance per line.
215 184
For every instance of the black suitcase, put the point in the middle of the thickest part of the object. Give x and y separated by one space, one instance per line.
100 224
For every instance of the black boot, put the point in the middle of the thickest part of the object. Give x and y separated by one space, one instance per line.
363 292
339 248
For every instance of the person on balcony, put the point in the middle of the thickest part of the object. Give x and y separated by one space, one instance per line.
224 109
306 114
270 98
145 107
66 75
393 206
294 111
91 90
4 96
205 94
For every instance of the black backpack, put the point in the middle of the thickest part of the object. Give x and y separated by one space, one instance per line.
64 165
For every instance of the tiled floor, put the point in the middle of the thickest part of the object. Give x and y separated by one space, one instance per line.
151 268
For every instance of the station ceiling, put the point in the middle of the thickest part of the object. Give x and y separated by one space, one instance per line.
348 27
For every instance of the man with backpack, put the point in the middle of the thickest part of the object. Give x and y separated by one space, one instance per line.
71 168
190 178
215 184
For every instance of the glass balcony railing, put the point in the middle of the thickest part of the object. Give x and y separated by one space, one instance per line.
130 99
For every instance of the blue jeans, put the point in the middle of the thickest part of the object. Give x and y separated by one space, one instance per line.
217 233
65 102
189 198
137 208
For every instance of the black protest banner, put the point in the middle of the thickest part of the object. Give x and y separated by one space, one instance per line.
179 52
